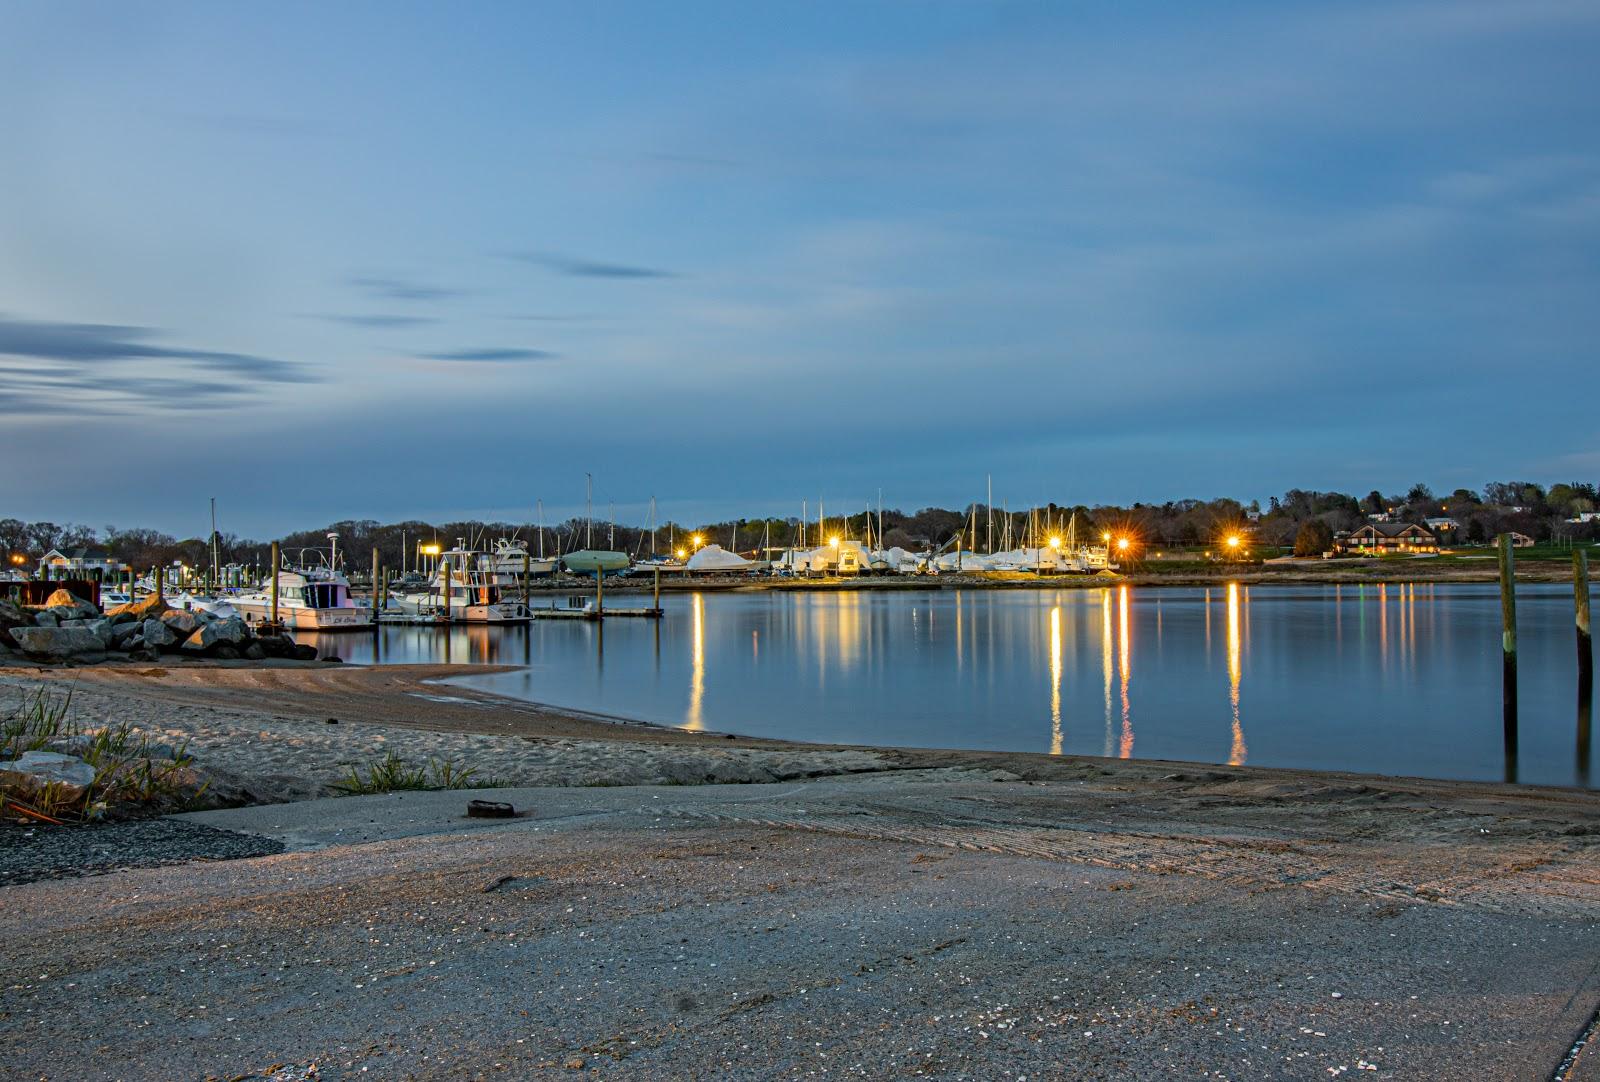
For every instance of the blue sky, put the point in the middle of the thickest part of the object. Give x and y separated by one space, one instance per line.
402 260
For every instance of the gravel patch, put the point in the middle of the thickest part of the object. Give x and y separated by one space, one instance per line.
28 854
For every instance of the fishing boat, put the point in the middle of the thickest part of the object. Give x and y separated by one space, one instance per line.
309 598
472 594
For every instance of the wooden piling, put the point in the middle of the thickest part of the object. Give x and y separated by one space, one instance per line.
444 586
1580 605
272 576
377 583
161 574
655 602
1508 646
527 576
599 592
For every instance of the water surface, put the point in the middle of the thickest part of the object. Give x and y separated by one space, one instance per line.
1394 679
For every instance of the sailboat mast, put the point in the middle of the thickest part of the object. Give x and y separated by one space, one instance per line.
588 510
988 510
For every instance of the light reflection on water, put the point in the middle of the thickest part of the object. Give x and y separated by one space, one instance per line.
1396 678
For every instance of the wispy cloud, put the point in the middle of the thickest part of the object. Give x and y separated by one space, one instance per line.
403 289
498 356
588 268
373 321
78 367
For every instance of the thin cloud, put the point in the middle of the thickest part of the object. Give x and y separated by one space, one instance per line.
373 321
88 342
99 369
588 268
497 356
401 289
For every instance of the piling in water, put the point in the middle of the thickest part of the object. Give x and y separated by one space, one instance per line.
376 579
1508 647
272 576
1580 605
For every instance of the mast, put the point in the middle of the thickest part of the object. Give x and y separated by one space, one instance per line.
803 516
539 514
988 508
216 572
588 509
652 526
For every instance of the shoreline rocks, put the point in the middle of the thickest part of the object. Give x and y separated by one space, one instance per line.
70 630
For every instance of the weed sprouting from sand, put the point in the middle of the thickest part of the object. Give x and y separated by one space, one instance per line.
130 769
41 717
392 774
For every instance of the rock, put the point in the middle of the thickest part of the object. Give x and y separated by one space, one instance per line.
123 634
228 632
152 605
67 605
144 653
103 628
37 770
46 619
303 652
181 621
12 615
225 652
158 634
254 651
58 642
276 645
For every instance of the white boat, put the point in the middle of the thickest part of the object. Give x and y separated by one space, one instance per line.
510 560
472 596
217 606
314 599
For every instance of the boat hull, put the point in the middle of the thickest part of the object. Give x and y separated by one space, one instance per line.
307 619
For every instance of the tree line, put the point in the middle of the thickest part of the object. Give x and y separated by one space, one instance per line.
1541 512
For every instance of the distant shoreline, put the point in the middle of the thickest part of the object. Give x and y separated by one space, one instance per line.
1367 572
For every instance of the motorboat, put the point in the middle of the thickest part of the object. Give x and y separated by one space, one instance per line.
316 599
510 561
472 594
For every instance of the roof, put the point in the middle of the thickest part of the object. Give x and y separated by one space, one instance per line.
1394 529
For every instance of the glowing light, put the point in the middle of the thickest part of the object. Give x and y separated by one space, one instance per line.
681 554
1055 542
1122 544
430 550
698 540
1233 540
834 541
1106 537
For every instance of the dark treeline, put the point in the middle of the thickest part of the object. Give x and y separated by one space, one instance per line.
1541 513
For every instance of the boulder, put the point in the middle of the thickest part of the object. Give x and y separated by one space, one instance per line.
181 621
276 645
152 605
58 643
302 652
38 770
229 632
12 615
158 634
46 619
66 605
103 628
253 651
123 634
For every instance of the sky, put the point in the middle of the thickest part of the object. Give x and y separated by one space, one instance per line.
395 260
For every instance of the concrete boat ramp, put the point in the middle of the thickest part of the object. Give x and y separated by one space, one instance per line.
939 923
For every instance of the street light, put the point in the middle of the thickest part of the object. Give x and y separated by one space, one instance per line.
1122 544
698 540
1055 542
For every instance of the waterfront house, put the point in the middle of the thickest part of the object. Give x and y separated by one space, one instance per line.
80 563
1382 537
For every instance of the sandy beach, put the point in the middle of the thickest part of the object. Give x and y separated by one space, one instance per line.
674 904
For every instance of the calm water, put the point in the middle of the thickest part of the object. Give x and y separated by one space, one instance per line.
1395 679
